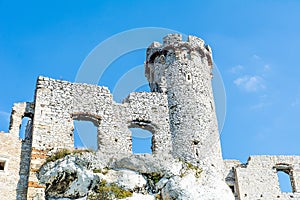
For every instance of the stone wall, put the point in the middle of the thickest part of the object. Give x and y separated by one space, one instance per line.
59 103
10 153
15 153
258 178
229 175
19 111
24 166
150 111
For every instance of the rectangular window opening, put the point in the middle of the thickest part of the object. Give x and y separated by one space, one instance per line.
85 135
2 165
141 141
285 182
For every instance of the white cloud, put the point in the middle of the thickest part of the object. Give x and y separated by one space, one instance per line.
296 99
256 57
250 83
263 102
236 69
260 105
260 63
263 134
295 103
266 67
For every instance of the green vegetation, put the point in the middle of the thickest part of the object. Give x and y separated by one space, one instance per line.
58 155
102 171
158 197
110 191
64 152
189 166
97 171
154 176
80 151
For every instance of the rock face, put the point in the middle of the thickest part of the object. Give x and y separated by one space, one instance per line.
93 176
68 178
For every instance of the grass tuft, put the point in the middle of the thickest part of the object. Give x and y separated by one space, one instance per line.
65 152
110 191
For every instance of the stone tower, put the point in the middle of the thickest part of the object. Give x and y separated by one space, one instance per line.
183 70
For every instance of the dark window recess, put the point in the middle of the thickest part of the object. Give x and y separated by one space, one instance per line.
2 165
232 188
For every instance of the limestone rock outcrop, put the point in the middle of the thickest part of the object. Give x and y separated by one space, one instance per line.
94 176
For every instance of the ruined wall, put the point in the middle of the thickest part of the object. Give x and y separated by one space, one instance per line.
150 111
10 153
24 167
229 175
15 154
59 103
258 178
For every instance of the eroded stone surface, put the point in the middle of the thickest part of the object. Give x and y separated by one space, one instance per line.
76 176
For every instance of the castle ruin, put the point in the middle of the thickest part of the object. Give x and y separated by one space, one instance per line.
179 112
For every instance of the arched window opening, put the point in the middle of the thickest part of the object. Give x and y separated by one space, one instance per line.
169 54
154 57
86 132
25 128
141 141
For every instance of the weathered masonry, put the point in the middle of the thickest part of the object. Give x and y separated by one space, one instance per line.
258 178
179 112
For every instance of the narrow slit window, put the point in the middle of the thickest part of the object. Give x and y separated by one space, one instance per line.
232 188
188 77
25 128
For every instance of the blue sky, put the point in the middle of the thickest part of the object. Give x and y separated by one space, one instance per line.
255 46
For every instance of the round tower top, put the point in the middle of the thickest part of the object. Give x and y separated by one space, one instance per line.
174 42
